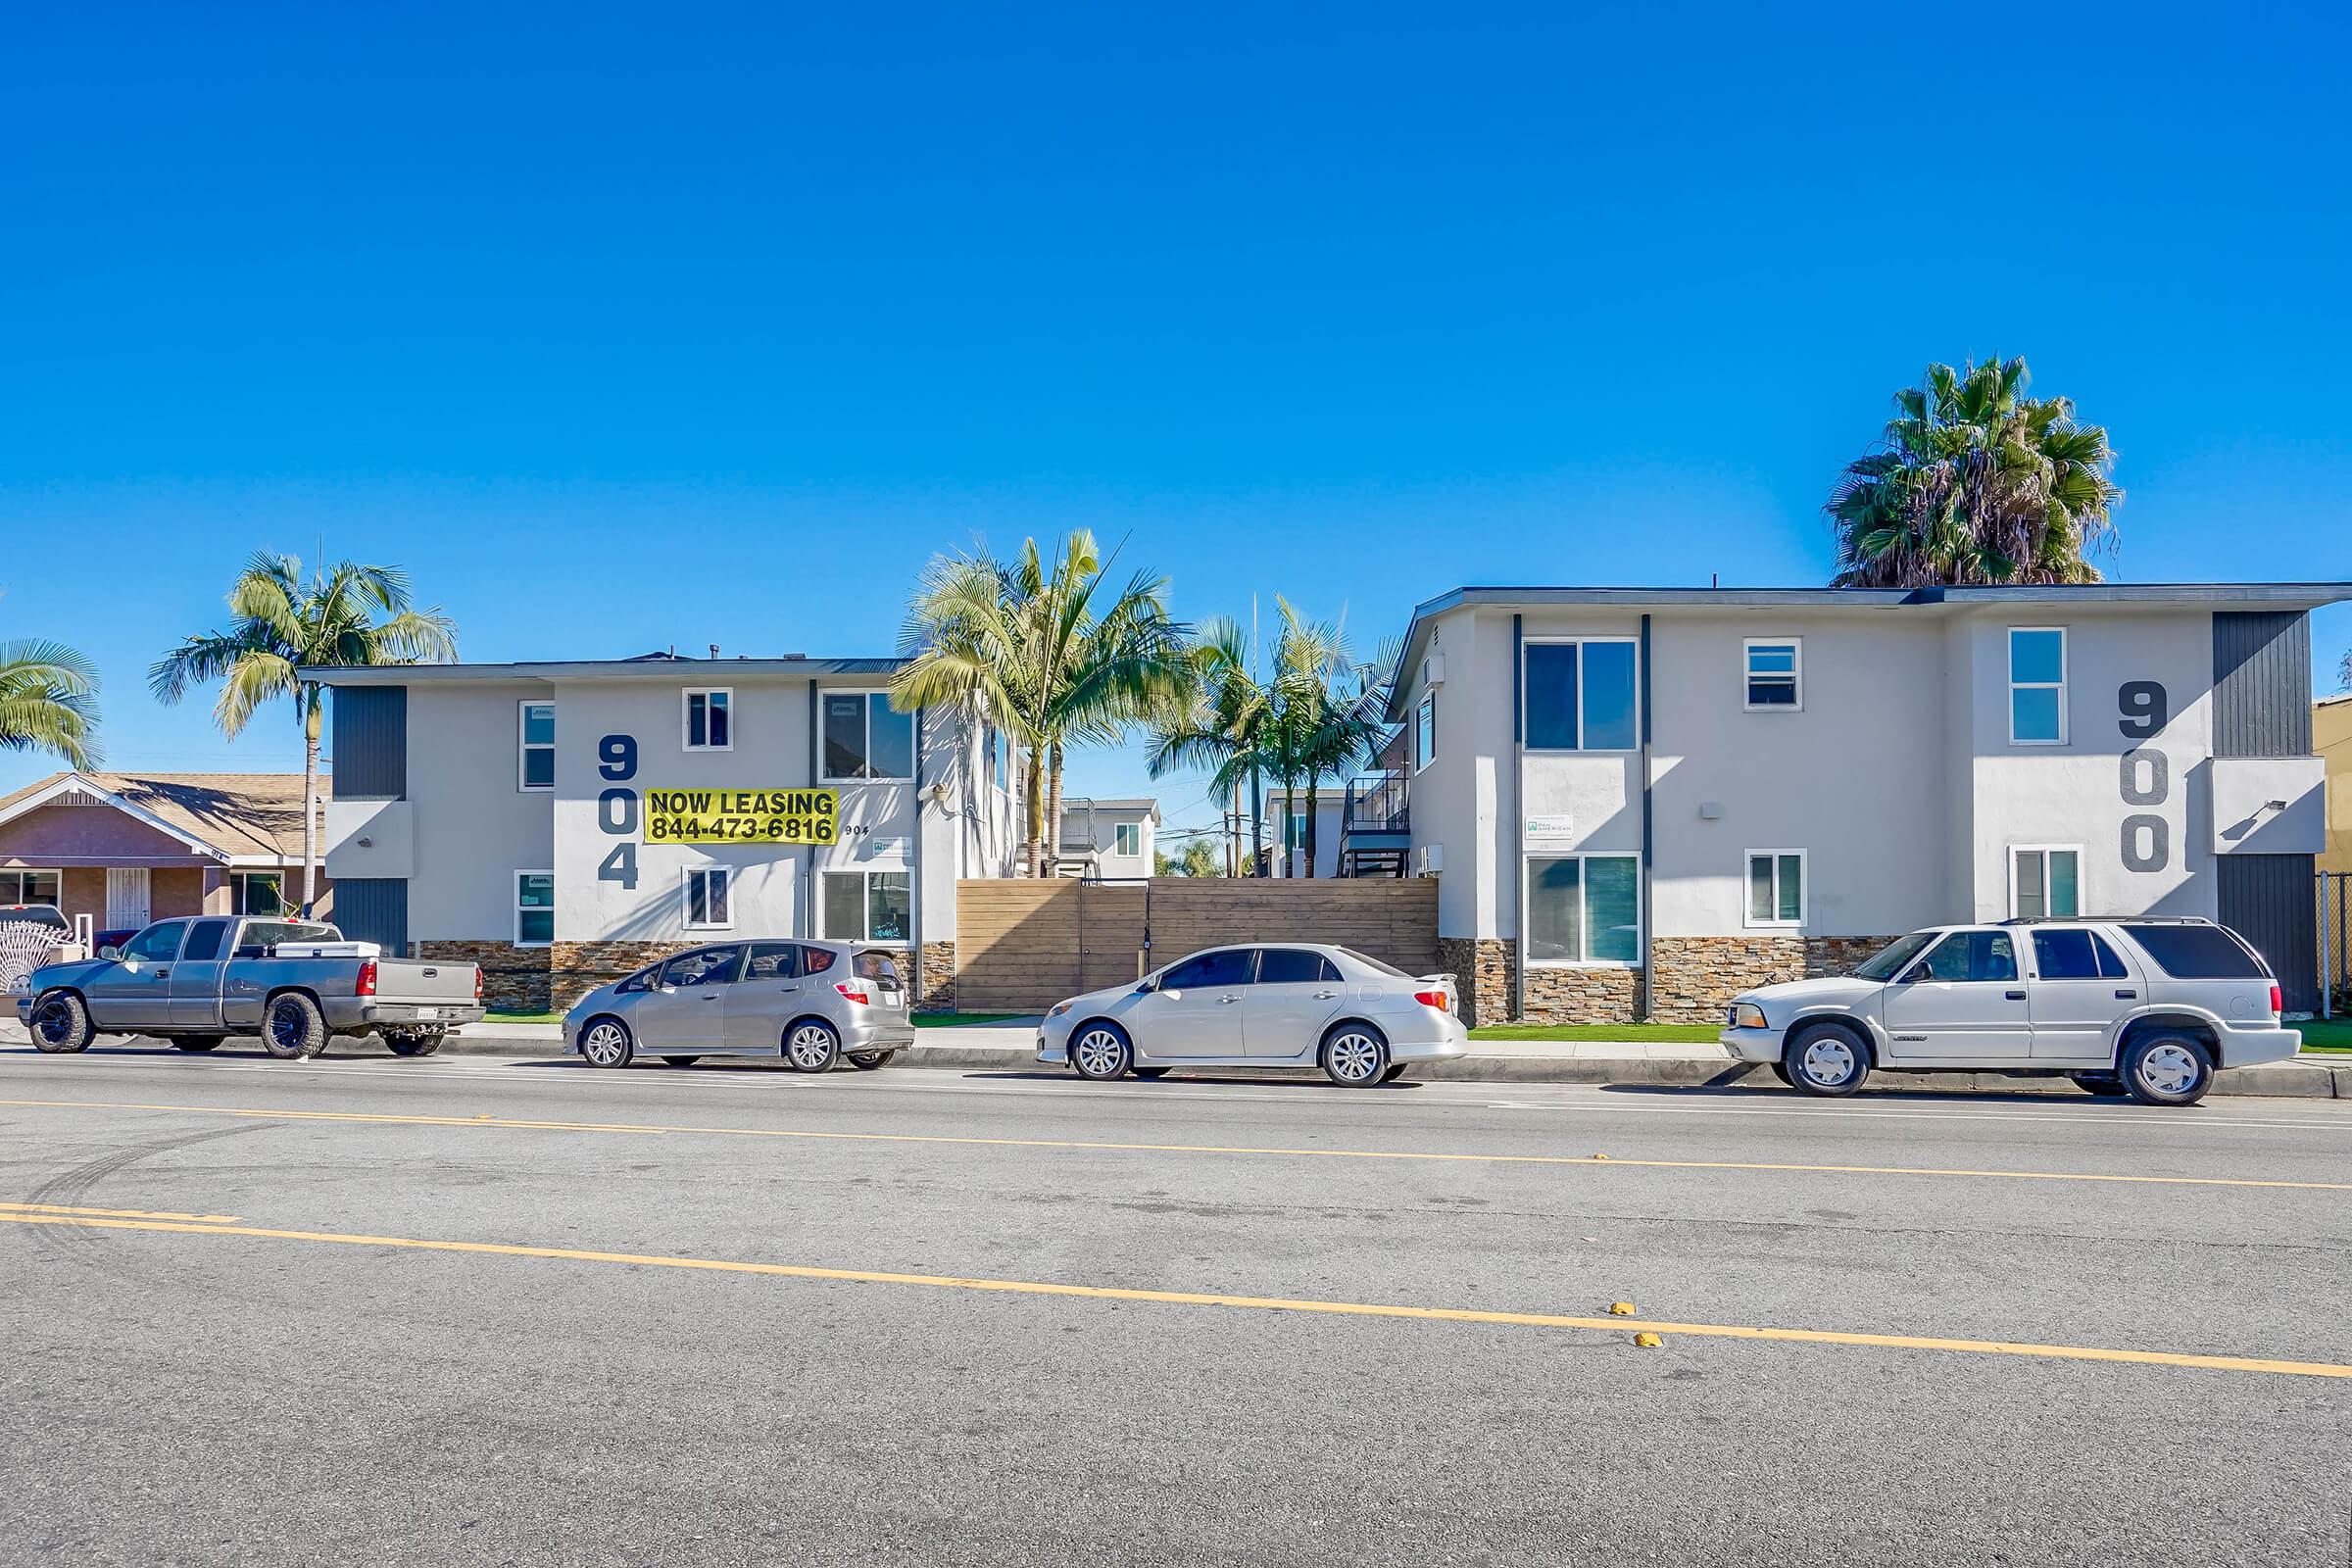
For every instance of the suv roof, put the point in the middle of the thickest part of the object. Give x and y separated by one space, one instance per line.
2105 919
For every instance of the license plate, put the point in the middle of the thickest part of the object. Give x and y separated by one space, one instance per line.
428 1012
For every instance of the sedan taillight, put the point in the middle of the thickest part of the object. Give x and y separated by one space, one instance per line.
1433 999
855 993
365 986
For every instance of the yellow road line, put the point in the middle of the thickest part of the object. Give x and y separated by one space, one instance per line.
6 1207
1101 1146
1263 1304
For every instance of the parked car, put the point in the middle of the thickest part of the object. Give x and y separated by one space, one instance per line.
814 1002
29 936
292 983
1286 1004
2133 1006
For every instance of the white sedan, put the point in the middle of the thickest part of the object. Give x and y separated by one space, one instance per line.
1298 1005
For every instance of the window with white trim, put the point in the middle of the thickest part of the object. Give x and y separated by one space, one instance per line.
2038 686
865 737
708 715
1580 695
1425 732
535 746
30 887
534 908
1127 838
866 906
1774 669
1584 910
2045 881
1776 887
261 893
710 903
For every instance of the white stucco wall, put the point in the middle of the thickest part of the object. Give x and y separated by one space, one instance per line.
473 828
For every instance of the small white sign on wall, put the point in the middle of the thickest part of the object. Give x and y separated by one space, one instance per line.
1550 828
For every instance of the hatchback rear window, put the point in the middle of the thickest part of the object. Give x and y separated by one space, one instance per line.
2197 952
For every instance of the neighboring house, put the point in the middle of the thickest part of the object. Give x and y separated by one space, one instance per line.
1102 838
119 850
1638 801
565 823
2332 739
1286 831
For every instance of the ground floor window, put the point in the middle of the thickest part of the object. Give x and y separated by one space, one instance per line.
1776 887
261 893
709 904
534 908
1584 908
867 905
2045 881
30 887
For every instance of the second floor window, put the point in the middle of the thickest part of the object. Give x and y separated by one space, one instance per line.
1580 696
1425 732
1773 675
865 737
538 768
710 720
1127 839
2037 686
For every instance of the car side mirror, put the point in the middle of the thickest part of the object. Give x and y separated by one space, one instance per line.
665 988
1913 975
111 953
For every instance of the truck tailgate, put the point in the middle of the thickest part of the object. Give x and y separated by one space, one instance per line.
423 980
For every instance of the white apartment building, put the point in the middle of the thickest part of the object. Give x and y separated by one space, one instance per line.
1109 838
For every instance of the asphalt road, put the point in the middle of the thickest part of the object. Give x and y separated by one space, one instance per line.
593 1373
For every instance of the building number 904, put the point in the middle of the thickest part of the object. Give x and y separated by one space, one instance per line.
617 809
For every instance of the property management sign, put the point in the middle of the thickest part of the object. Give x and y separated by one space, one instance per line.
742 817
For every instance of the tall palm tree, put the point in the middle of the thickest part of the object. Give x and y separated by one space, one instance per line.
1032 647
1221 726
1975 482
1328 709
280 623
48 702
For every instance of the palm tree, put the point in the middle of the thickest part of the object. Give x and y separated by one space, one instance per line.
281 625
1027 647
1328 709
1975 482
48 702
1222 726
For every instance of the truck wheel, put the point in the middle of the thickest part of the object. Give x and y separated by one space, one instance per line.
415 1041
1827 1058
196 1042
294 1027
2167 1069
61 1023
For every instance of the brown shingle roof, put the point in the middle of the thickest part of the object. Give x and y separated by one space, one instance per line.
236 813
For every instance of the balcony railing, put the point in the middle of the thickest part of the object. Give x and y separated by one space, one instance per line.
1376 804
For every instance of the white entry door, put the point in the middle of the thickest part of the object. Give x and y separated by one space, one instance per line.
128 902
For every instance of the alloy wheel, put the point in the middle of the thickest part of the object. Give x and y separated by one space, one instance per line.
810 1046
1354 1057
55 1020
1097 1053
603 1044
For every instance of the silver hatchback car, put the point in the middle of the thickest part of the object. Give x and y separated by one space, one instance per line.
812 1002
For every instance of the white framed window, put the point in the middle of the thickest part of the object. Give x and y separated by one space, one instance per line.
1582 911
2037 685
1580 694
261 893
32 887
865 905
1425 732
2045 881
706 716
710 897
534 908
1294 831
1776 887
535 746
1774 672
864 737
998 767
1127 839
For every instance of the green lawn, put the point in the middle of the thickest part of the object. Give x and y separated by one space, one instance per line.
1597 1031
949 1021
2326 1034
493 1015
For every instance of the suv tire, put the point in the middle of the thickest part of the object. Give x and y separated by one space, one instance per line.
2165 1068
1829 1059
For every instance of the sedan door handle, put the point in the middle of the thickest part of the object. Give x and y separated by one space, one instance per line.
713 996
1325 995
2014 995
1228 999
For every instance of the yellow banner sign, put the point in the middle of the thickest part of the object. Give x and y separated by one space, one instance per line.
742 817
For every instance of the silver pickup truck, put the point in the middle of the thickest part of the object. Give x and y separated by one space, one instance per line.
292 983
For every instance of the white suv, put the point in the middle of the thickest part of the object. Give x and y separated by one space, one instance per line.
2143 1006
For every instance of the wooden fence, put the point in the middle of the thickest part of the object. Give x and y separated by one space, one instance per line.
1022 945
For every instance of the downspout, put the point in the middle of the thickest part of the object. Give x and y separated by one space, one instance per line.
914 874
1646 824
1518 838
805 917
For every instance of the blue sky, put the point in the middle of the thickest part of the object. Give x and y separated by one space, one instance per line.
625 329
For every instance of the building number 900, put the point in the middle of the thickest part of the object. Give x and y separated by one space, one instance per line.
2144 777
617 809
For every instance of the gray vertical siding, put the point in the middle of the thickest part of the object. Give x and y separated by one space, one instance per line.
371 743
2261 683
2267 899
376 909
